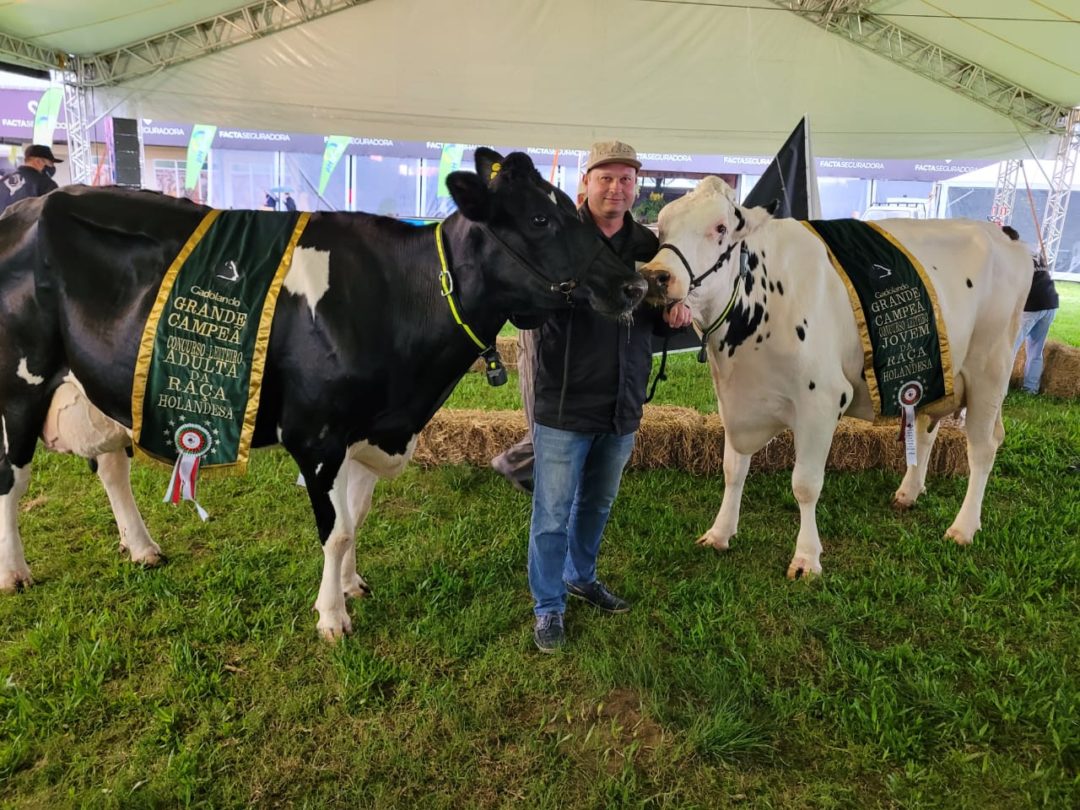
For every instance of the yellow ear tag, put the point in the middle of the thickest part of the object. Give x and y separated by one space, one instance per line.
495 167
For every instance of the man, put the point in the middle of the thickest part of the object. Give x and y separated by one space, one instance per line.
590 384
32 179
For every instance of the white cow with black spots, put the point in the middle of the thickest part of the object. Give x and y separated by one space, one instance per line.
789 354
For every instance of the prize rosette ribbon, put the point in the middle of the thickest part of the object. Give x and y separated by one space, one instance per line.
910 395
193 442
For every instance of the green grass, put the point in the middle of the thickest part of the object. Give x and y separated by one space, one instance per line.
913 674
1066 325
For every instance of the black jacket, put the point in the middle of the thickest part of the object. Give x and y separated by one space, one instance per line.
1043 293
609 361
22 183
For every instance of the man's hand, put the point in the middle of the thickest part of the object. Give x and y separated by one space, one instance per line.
678 315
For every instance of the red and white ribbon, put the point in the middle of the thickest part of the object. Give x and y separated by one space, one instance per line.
192 443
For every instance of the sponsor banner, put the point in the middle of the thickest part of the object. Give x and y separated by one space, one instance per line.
18 109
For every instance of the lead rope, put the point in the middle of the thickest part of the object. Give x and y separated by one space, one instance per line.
661 373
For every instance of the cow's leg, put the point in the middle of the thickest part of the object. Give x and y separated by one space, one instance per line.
985 432
336 531
914 483
362 482
812 441
114 470
14 572
725 526
20 423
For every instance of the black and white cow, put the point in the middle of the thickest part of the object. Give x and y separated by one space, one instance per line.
363 348
789 354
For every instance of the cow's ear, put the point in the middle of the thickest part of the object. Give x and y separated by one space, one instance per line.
471 195
488 163
756 217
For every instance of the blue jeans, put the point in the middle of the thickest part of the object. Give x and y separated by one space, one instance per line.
1034 328
576 479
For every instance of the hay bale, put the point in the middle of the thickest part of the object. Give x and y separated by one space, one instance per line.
684 439
468 436
668 437
1061 370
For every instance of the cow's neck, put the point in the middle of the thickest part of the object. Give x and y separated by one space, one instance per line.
731 307
446 352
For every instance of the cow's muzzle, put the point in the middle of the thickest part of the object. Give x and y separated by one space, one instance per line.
665 285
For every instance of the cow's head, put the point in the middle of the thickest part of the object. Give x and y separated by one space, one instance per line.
700 233
537 248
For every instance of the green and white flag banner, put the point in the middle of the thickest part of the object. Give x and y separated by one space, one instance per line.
202 136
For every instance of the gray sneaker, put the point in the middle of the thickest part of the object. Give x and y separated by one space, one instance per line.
548 633
599 597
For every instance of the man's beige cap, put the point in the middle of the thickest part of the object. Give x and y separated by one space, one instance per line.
612 152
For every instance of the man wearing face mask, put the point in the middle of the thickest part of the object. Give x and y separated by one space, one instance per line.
32 179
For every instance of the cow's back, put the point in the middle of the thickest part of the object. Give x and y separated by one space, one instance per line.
103 253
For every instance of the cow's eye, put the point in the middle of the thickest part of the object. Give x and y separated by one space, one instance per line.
540 221
721 229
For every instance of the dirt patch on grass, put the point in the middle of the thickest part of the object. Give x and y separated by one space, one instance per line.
609 733
33 503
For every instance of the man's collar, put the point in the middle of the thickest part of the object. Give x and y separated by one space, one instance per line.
587 216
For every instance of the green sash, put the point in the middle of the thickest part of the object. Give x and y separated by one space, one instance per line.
203 349
905 346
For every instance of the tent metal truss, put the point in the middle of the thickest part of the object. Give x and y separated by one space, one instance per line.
252 21
27 54
77 108
1005 192
81 73
1057 202
849 19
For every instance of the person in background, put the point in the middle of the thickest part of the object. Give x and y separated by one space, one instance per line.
590 385
290 203
1039 311
270 203
33 179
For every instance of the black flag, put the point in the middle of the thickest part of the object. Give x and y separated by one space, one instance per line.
791 179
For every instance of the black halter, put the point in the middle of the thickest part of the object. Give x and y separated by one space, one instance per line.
695 281
563 288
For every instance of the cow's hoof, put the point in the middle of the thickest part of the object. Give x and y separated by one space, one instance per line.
714 541
334 623
901 503
959 537
333 628
15 580
147 558
356 589
801 568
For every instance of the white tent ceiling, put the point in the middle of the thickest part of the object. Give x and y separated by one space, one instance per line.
699 76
